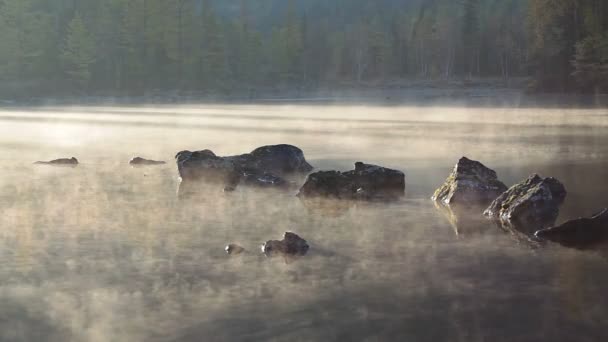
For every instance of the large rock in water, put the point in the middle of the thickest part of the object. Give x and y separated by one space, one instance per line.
365 182
470 184
532 203
264 166
579 233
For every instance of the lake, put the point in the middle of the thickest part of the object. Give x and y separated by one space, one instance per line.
107 252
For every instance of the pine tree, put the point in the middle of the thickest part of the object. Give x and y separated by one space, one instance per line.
470 36
25 37
78 53
213 68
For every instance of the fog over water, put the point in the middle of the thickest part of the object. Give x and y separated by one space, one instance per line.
107 252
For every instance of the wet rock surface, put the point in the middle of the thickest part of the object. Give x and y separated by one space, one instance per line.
60 162
470 184
365 182
234 249
292 245
138 161
583 232
529 205
264 167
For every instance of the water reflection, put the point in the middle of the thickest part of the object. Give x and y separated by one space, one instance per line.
106 252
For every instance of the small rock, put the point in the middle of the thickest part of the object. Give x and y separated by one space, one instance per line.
138 161
59 162
532 203
291 245
470 184
234 249
580 232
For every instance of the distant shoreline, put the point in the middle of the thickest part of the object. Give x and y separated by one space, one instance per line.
480 92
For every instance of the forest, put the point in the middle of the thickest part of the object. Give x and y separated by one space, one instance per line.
133 46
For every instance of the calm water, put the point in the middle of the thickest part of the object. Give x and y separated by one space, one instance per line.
106 252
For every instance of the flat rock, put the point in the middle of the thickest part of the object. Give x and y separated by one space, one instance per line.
365 182
138 161
291 245
60 162
533 202
470 184
582 232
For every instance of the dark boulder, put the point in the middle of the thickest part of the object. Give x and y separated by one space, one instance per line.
532 203
365 182
291 245
265 166
60 162
204 165
470 184
580 232
278 159
138 161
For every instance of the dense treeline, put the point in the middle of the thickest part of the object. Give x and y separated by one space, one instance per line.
129 46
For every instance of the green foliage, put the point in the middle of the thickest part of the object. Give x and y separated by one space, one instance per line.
78 53
24 33
591 63
134 46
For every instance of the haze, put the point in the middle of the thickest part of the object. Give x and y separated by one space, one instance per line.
109 252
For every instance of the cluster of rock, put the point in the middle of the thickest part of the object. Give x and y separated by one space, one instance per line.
534 201
268 167
528 206
136 161
292 246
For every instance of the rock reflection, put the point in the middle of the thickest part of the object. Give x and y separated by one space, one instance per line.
198 190
465 220
327 207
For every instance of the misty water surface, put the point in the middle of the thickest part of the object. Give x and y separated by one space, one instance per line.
106 252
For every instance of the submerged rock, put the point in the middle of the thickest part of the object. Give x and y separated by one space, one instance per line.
365 182
265 166
234 249
580 232
138 161
470 184
291 245
533 202
59 162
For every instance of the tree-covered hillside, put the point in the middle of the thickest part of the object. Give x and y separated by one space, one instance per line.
129 46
